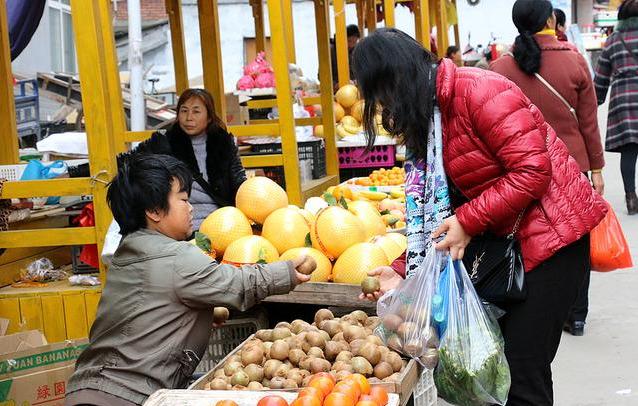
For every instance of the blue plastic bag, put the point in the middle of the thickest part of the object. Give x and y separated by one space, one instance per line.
36 170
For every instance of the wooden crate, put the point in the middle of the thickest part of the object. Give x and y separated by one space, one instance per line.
325 294
403 388
61 311
167 397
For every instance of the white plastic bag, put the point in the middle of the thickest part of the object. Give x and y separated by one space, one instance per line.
111 242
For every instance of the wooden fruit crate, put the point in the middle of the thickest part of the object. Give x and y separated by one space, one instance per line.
403 388
325 294
168 397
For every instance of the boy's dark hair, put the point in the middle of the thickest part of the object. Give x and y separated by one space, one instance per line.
628 9
353 31
143 182
451 50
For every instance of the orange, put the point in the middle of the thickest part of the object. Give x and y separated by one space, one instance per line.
366 403
364 385
368 398
380 394
322 383
225 403
325 374
307 401
348 387
272 401
338 399
311 391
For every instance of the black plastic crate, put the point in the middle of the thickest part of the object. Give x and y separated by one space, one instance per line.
315 151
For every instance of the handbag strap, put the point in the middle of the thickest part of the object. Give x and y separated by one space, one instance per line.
624 44
553 90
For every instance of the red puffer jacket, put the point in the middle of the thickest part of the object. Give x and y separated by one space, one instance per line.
503 156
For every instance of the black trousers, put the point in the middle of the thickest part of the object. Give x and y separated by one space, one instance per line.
532 329
628 157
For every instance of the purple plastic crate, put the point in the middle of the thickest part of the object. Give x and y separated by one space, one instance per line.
357 157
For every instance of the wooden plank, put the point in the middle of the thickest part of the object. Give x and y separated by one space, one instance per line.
212 53
258 161
53 317
316 187
341 44
258 17
50 187
75 315
48 237
9 133
325 294
255 130
92 299
388 12
361 14
31 313
10 309
10 272
174 11
442 40
371 16
289 30
422 22
58 287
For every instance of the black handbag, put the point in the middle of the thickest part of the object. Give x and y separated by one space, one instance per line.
495 266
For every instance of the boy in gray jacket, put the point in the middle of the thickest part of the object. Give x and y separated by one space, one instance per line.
156 312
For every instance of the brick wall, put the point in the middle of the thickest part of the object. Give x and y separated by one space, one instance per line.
151 9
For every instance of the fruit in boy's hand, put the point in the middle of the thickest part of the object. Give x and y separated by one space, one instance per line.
220 315
308 265
370 285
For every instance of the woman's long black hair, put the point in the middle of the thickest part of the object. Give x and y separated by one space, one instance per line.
530 17
396 75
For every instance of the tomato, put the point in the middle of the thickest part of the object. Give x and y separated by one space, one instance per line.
226 403
380 394
306 401
323 383
325 374
338 399
311 391
364 385
272 401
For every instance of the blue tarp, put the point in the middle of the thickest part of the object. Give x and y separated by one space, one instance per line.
24 18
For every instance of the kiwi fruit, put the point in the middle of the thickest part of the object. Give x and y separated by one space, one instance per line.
220 315
372 322
339 337
323 314
297 326
316 352
277 382
255 386
219 373
342 366
234 358
218 384
325 335
374 339
395 343
432 340
362 366
341 375
391 322
280 333
352 333
331 327
252 355
360 316
395 360
232 367
382 370
319 365
279 350
370 285
356 346
315 339
332 349
413 348
240 378
293 343
370 352
283 370
255 372
304 364
306 381
290 384
296 376
283 324
344 356
266 383
238 387
270 367
395 377
384 351
264 335
430 358
308 265
296 355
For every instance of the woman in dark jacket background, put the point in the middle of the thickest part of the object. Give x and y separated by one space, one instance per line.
537 50
200 140
618 67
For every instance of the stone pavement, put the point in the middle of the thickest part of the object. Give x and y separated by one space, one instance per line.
601 368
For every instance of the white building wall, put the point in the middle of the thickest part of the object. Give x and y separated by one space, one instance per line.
36 57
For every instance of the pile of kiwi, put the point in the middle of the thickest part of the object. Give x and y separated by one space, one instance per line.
287 356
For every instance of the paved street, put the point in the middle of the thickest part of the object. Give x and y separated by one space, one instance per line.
601 368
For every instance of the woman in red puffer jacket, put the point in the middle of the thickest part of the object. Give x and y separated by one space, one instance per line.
499 152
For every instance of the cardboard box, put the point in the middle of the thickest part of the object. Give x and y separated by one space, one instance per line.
39 375
236 114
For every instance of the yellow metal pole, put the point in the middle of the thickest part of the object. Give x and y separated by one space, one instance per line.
361 14
174 11
388 13
98 100
113 80
9 133
442 40
325 80
289 30
422 22
284 100
212 53
371 15
341 43
258 16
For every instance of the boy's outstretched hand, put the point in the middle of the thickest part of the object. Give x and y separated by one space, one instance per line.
388 279
304 266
